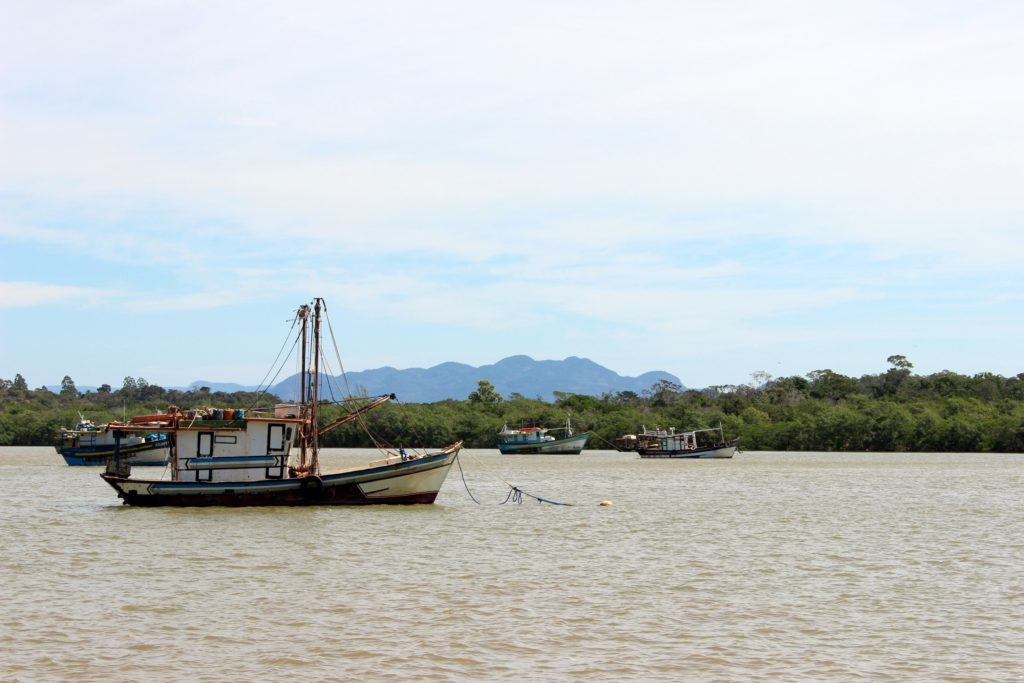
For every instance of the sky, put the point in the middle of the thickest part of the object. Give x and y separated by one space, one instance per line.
709 189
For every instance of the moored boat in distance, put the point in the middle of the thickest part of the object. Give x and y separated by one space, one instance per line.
251 457
537 440
90 444
630 442
697 443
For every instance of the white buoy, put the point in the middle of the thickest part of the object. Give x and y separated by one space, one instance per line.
606 503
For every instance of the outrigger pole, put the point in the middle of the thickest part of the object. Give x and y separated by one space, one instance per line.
380 400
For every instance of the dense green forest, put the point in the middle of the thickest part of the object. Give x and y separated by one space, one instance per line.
823 411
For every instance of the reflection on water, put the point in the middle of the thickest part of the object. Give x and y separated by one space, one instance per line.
770 566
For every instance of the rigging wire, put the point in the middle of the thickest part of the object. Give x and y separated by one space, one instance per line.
329 376
261 390
337 353
380 444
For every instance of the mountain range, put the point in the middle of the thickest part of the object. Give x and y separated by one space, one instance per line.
516 374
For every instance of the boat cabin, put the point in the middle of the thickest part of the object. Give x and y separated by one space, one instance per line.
524 435
251 449
206 449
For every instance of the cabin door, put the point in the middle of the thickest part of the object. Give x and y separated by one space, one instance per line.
277 442
204 449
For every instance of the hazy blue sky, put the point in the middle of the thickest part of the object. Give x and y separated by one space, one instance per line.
711 189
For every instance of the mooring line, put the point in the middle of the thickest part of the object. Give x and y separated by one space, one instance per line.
516 494
464 483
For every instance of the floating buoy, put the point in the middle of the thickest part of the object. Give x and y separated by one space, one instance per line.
606 503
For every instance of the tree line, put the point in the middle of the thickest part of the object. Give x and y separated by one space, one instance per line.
35 417
895 410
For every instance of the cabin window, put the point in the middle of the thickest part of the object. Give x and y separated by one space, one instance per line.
225 439
204 475
205 444
276 441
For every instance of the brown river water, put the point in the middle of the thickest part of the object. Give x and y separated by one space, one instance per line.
767 567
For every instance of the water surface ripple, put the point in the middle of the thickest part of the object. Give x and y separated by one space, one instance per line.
767 567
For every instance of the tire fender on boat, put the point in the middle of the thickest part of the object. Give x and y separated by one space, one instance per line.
312 485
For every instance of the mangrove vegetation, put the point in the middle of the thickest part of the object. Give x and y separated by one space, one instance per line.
895 410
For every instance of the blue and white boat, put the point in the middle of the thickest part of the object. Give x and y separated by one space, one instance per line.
249 457
89 444
538 440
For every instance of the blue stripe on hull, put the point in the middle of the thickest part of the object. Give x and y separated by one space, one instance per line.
102 460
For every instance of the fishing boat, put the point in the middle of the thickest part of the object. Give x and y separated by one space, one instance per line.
697 443
251 457
630 442
91 444
538 440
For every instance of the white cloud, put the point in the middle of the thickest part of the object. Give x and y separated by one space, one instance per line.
26 294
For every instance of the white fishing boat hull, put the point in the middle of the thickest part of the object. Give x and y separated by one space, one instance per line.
726 450
392 481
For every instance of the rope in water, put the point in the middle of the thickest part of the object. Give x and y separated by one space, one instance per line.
515 494
595 437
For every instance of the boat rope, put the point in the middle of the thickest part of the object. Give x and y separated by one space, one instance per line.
458 461
606 441
515 493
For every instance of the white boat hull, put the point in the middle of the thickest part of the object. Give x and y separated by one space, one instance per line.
726 450
393 481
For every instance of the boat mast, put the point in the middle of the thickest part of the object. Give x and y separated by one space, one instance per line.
304 317
314 400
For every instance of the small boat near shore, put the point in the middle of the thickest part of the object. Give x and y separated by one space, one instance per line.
252 457
696 443
537 440
91 444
